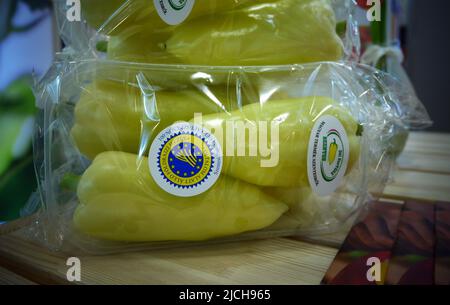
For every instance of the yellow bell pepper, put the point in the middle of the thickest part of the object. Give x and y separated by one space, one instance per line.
139 46
294 119
142 13
306 209
110 116
332 152
97 12
282 32
120 201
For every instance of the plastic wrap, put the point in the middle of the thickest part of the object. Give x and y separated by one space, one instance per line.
216 33
132 156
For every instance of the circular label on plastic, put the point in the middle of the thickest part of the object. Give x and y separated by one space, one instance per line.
185 159
173 12
328 154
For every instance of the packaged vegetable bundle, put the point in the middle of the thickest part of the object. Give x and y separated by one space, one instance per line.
209 32
128 159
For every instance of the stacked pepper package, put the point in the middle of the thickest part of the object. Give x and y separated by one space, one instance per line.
203 120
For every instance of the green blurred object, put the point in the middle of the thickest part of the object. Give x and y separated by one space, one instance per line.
10 129
16 122
17 109
341 28
102 46
18 97
379 33
15 188
17 175
399 142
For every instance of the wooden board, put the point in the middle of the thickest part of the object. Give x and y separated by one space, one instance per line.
423 172
423 169
270 261
8 277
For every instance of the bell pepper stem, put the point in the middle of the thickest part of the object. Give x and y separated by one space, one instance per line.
70 182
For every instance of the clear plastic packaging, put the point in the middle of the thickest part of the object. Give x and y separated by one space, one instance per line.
213 32
132 156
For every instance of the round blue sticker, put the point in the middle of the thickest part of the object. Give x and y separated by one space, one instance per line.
185 159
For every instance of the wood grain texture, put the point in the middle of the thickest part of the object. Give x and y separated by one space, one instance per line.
423 172
271 261
426 152
423 168
8 277
419 185
428 143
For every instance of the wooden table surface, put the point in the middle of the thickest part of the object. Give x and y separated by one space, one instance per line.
423 172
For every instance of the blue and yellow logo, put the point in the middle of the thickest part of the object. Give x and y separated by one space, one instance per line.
185 160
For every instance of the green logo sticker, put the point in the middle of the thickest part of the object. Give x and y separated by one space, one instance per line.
328 154
177 4
173 12
332 155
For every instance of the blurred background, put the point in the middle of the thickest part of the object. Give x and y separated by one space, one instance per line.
27 44
29 39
